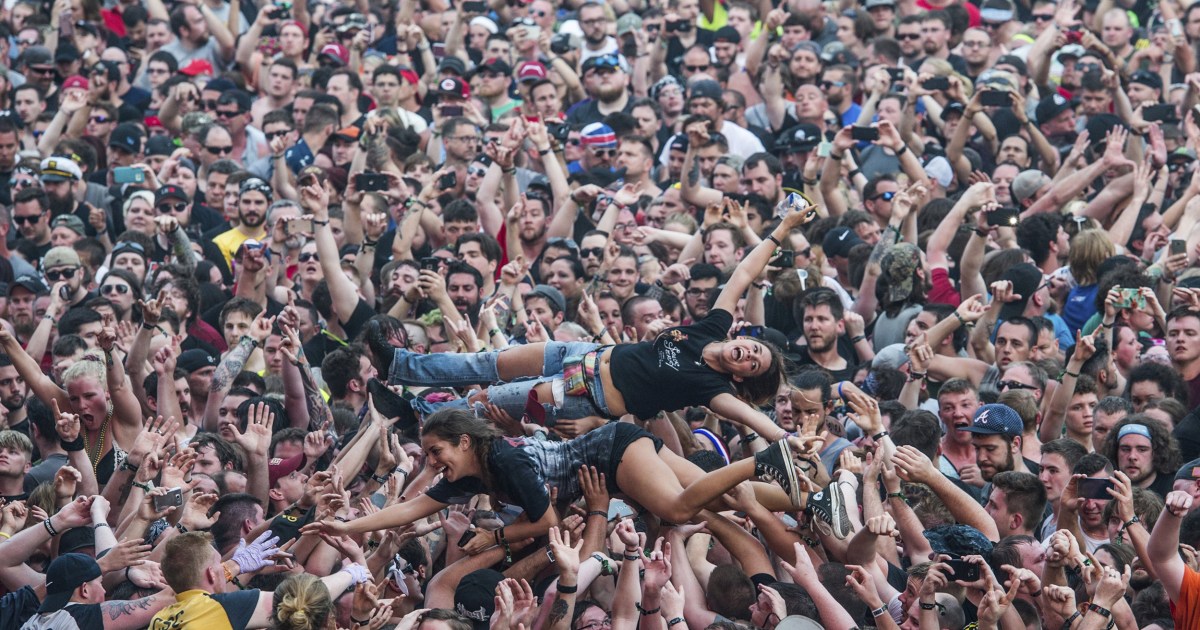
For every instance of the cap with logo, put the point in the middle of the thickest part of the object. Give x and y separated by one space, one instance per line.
531 71
170 191
996 419
37 56
279 468
1049 108
336 53
798 139
127 137
75 82
60 169
454 87
194 360
33 284
1025 279
1148 79
60 257
65 574
475 596
839 241
705 89
628 23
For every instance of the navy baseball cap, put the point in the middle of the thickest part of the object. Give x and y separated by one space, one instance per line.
996 419
67 573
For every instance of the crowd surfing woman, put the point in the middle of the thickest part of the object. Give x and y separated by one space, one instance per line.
684 366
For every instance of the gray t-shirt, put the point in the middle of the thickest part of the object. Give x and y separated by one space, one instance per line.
209 52
47 468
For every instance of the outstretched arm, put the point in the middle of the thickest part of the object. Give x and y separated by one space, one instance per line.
1163 548
754 263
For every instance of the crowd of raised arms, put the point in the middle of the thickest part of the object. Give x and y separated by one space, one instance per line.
592 314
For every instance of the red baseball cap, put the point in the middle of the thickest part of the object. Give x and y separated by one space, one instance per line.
197 68
279 468
75 82
338 52
531 71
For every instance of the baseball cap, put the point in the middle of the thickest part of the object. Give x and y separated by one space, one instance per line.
348 134
892 356
408 75
65 574
278 468
455 87
126 136
68 221
60 169
475 597
802 137
1049 108
1027 183
727 34
196 68
453 64
336 52
871 4
839 241
705 89
1185 472
1147 78
938 169
1025 279
33 284
37 56
486 23
495 64
1074 51
628 23
662 84
900 264
194 360
598 134
170 191
552 295
76 82
159 145
953 108
604 62
996 11
531 71
66 52
810 46
1012 60
61 257
1099 125
996 419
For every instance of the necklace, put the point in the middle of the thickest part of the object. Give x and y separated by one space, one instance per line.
94 456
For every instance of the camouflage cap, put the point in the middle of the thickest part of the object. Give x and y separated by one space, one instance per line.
900 265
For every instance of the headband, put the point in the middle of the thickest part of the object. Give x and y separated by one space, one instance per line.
1134 429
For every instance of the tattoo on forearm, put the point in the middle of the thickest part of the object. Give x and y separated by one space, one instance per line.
694 173
118 608
559 610
232 366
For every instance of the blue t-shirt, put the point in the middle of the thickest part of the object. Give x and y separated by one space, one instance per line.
1080 306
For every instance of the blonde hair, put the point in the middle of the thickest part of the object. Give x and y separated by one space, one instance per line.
1089 249
302 602
185 558
90 365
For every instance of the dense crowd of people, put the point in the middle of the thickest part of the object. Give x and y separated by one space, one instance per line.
517 314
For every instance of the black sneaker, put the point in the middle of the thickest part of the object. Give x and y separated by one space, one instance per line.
830 512
380 350
389 404
775 463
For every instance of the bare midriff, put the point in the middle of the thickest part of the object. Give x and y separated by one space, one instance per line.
612 398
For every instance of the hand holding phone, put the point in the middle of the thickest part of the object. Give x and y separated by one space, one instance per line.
864 134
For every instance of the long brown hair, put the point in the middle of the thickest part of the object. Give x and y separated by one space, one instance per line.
452 425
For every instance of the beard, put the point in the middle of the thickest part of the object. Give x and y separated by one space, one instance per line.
820 344
533 235
61 205
610 94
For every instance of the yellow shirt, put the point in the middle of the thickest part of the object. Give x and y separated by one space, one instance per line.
229 242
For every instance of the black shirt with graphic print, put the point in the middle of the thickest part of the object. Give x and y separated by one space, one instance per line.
669 373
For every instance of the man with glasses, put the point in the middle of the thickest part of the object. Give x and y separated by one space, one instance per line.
591 252
839 85
233 113
62 264
276 126
594 21
977 51
935 43
460 140
911 40
31 216
600 147
877 197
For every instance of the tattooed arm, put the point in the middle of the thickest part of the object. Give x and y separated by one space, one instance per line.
134 613
222 380
318 409
691 189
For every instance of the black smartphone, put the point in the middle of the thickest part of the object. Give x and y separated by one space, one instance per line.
996 98
1095 488
474 7
673 26
755 332
1159 113
450 111
963 570
370 182
447 181
865 134
936 83
785 260
431 263
466 537
897 74
1004 217
173 498
629 47
279 13
1176 246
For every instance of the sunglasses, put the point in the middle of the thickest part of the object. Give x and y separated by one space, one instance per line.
832 84
276 134
232 114
99 120
307 256
31 219
476 171
690 68
166 208
219 150
904 36
27 42
42 70
886 196
592 252
1003 385
697 291
61 274
109 289
603 152
1043 17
